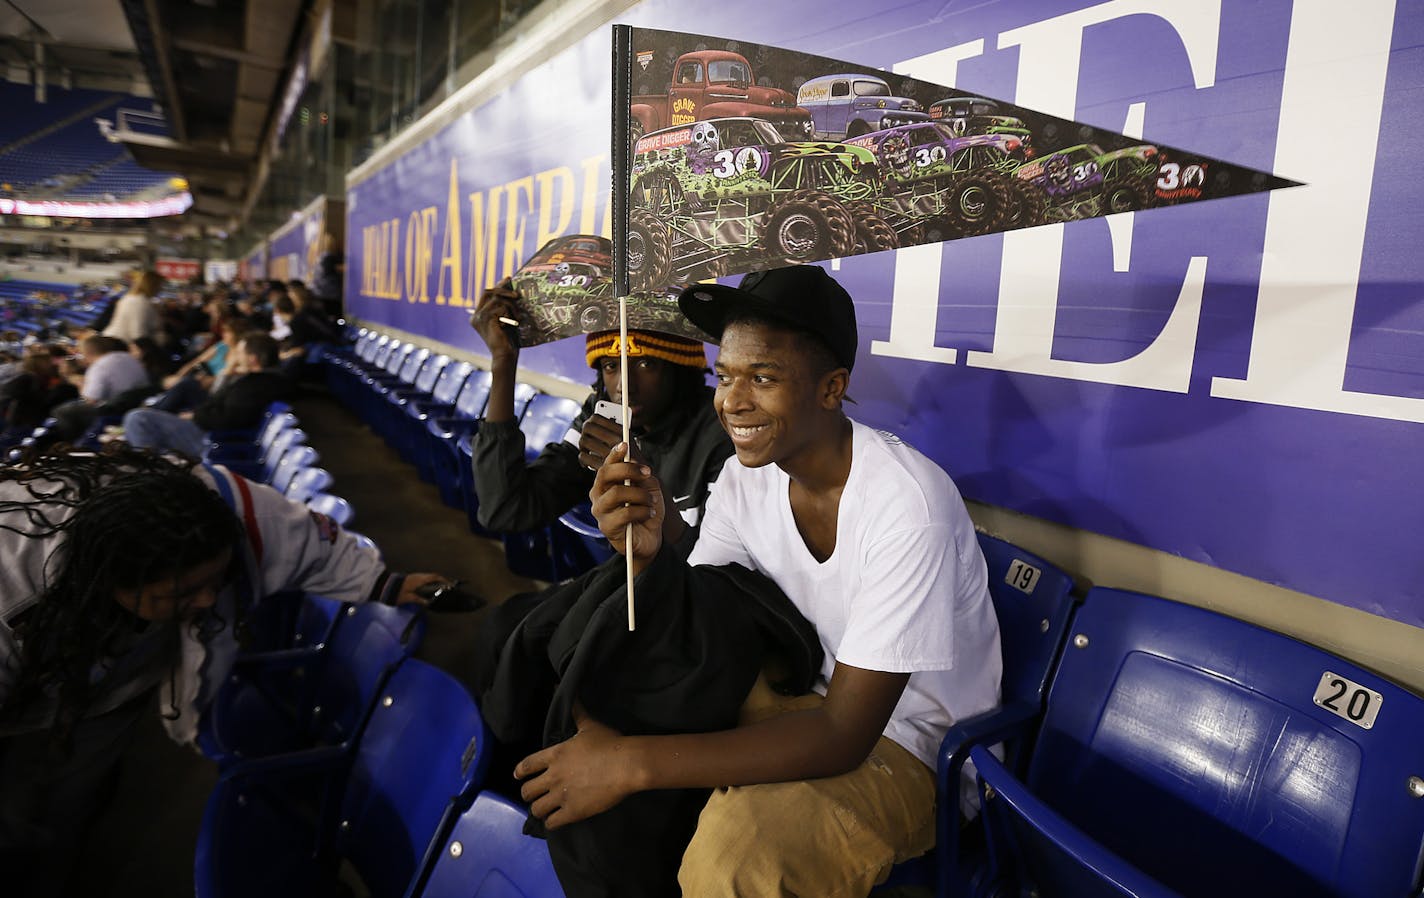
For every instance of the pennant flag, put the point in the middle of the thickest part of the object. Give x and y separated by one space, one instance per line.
743 156
566 289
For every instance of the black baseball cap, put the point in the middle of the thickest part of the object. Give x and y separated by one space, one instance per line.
803 297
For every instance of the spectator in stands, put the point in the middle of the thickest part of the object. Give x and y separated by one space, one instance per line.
872 542
200 375
136 312
122 580
299 293
194 319
302 328
673 422
28 398
9 363
155 361
257 306
218 308
327 282
174 318
238 404
112 382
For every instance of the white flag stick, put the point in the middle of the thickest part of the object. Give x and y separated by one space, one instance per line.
627 442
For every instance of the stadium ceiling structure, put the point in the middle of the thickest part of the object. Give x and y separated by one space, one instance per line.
214 67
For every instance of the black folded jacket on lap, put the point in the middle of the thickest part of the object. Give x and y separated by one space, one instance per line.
702 635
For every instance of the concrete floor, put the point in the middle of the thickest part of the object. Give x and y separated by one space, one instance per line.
143 845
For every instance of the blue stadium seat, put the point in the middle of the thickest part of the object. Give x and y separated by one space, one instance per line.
441 402
291 620
295 460
578 544
364 541
1215 758
307 483
288 825
334 507
369 358
264 466
545 420
342 368
455 473
1033 600
352 337
373 401
433 455
289 699
487 855
1073 861
391 414
237 442
386 372
248 452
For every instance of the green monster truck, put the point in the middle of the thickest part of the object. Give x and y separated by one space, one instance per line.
728 193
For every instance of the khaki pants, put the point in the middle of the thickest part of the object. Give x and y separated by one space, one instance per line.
824 838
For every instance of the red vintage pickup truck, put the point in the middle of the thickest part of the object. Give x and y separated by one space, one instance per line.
717 83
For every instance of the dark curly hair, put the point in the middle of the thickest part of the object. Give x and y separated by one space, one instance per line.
127 519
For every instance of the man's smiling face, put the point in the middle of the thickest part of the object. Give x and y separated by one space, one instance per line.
767 389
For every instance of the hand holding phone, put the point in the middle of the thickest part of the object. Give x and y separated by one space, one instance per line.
601 432
449 597
607 408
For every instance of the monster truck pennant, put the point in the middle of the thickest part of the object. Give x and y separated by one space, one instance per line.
743 156
566 289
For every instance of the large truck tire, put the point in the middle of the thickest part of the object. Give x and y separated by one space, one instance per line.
872 233
1028 207
808 226
649 251
979 202
1127 195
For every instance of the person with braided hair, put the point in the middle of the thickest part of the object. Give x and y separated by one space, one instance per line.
122 576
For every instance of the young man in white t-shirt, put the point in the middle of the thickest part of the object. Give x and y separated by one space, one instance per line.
820 795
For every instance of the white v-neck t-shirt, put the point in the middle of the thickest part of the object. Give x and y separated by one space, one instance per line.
904 591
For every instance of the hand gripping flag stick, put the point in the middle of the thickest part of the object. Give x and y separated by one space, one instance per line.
627 443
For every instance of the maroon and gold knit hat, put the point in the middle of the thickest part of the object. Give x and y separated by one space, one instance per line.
648 344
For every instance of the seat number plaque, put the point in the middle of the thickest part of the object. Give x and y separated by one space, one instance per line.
1345 698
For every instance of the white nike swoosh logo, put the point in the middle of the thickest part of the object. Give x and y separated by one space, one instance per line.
682 498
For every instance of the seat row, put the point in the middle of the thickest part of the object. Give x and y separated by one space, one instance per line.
291 723
427 407
1143 746
1148 747
22 311
276 453
344 761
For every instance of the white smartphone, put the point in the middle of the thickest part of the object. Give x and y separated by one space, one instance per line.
606 408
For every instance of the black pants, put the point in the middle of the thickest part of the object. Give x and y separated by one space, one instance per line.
48 802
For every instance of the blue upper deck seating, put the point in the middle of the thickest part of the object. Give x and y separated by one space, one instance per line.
23 115
61 153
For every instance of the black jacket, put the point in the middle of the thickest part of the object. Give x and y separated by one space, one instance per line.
702 636
25 400
686 453
307 327
240 404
